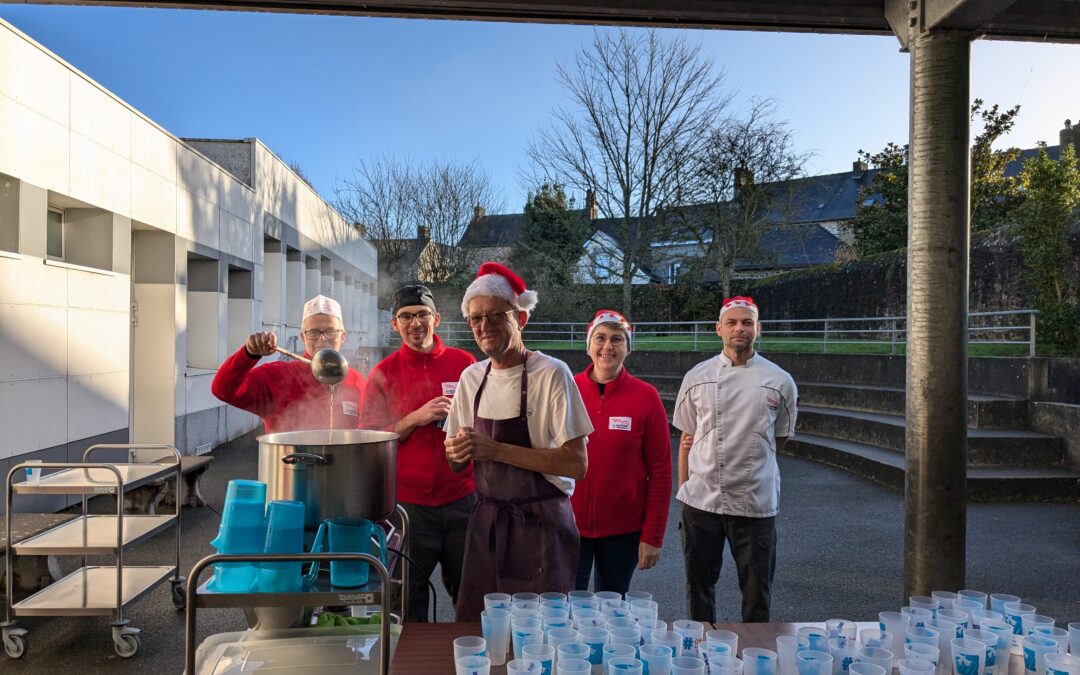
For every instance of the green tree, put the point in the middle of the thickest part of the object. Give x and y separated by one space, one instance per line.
551 242
1052 192
881 212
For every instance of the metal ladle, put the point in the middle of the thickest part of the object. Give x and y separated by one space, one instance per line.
328 365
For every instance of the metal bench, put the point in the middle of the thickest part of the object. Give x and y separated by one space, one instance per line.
147 498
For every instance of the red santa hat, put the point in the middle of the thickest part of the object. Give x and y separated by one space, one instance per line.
744 301
610 316
495 280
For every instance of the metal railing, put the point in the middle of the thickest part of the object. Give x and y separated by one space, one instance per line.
875 335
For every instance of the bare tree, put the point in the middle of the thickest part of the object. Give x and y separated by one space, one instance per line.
640 106
398 200
739 186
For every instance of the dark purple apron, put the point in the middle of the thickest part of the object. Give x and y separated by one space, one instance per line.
522 536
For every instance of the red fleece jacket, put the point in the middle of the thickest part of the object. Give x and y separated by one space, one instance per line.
286 395
398 385
628 484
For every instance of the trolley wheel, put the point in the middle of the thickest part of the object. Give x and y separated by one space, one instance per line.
127 645
15 646
179 596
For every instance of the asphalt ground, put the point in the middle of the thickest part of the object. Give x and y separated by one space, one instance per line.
840 555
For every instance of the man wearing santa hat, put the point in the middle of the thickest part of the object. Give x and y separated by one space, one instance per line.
519 420
285 394
735 411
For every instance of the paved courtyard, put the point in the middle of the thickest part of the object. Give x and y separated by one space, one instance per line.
840 555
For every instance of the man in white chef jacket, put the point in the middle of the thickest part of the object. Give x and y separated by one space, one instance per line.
735 412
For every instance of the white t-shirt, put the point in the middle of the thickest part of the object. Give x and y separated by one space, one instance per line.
556 413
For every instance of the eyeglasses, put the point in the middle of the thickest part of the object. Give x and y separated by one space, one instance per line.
615 340
495 318
328 333
407 318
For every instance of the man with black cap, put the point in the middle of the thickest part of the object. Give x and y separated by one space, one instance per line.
409 392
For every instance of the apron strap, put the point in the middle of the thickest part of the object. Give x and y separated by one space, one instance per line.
523 406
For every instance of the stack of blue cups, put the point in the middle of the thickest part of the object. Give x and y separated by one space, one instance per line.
243 530
284 534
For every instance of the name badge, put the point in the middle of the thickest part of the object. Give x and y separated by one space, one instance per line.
619 423
449 388
349 408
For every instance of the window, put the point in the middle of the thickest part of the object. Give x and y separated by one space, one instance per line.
673 272
603 266
54 234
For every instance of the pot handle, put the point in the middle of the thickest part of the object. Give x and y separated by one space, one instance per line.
305 458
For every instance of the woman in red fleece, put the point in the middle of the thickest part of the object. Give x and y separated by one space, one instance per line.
621 505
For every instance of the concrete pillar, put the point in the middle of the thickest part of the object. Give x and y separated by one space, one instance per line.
295 278
937 303
273 307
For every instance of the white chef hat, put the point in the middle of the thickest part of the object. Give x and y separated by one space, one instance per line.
321 304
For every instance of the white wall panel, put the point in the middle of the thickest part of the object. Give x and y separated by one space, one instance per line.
153 199
102 292
97 403
97 342
42 84
32 342
99 117
197 392
9 124
99 176
42 150
33 414
152 149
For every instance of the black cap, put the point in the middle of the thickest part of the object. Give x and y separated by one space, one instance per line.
413 295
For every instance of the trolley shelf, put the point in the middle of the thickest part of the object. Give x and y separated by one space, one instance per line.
96 481
321 593
91 591
92 535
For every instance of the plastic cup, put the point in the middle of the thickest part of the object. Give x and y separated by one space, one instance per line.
757 661
595 638
554 613
709 651
469 646
525 636
590 618
632 596
1029 622
497 601
978 616
1036 647
495 625
607 595
967 606
817 639
729 638
625 636
33 474
573 667
915 667
862 668
977 596
947 631
555 603
924 634
786 646
1074 638
545 654
877 656
524 667
1061 664
668 638
558 636
990 641
525 606
525 597
569 651
615 608
616 651
968 657
284 534
1060 635
242 530
354 537
645 609
956 616
657 659
625 665
517 613
622 622
840 627
875 637
813 662
553 595
687 665
692 633
473 665
526 622
998 600
927 602
1014 613
922 652
918 615
725 664
557 623
945 598
650 626
573 596
842 649
1004 634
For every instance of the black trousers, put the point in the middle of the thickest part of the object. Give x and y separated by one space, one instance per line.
436 537
616 558
753 547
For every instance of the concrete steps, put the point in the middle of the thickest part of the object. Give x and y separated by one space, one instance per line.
861 428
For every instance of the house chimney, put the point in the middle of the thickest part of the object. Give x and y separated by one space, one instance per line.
590 204
477 212
858 168
423 233
360 227
1070 134
744 178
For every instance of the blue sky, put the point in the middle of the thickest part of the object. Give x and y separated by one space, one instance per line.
326 91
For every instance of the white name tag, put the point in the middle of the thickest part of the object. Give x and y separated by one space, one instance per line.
619 423
349 408
449 388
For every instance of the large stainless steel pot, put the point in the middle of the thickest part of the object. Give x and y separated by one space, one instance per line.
348 474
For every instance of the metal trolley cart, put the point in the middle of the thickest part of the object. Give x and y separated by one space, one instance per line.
321 594
94 590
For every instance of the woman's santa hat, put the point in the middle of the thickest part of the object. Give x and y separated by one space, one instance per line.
610 316
495 280
744 301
